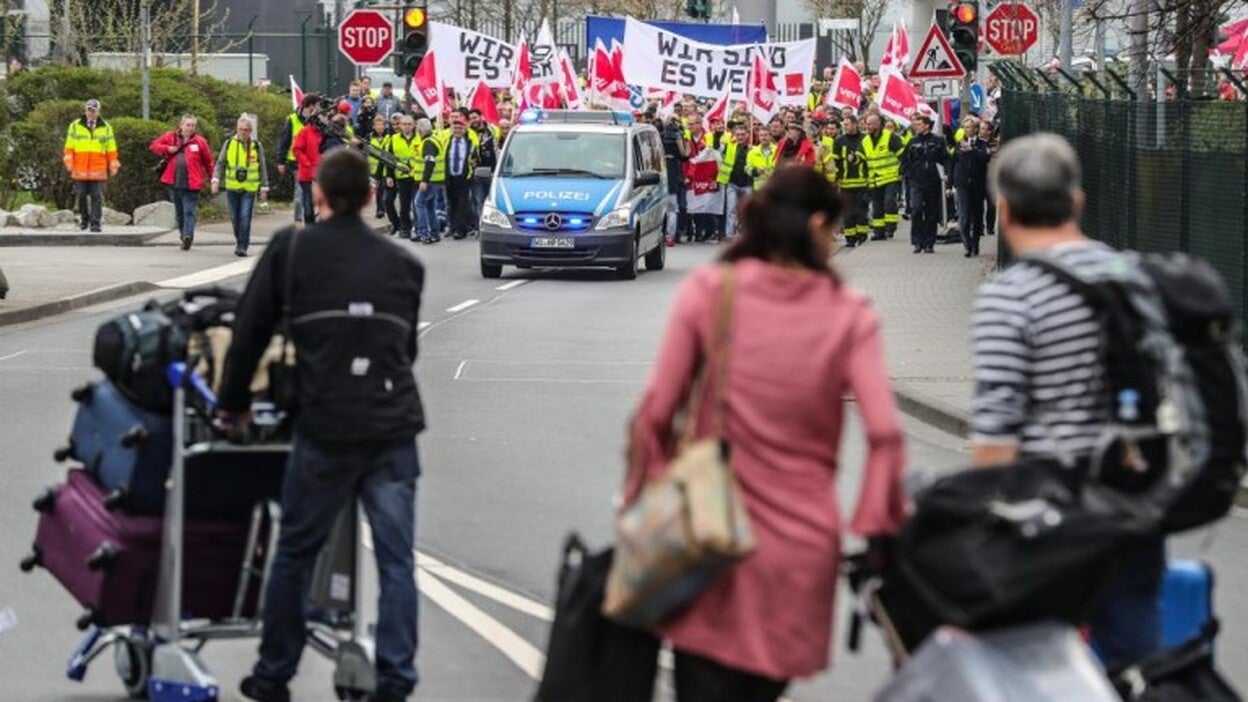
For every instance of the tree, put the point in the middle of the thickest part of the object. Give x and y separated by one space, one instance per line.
115 25
870 14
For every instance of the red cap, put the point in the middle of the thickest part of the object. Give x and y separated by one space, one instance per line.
344 107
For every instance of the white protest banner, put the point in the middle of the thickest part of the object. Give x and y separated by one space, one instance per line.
544 57
656 58
465 57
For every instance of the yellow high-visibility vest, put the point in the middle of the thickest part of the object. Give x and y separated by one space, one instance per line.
238 156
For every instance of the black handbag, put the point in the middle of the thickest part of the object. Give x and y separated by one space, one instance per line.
1015 544
590 658
1182 674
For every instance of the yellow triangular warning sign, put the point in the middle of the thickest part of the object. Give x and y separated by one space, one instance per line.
935 58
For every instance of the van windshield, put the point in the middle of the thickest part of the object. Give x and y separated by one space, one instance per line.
564 155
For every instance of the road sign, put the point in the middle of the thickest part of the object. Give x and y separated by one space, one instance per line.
941 87
366 37
935 58
1011 28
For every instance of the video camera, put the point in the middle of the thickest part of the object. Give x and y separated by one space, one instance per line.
324 120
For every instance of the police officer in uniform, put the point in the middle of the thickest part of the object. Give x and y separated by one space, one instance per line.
920 160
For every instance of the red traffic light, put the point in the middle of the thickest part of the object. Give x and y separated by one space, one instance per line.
963 13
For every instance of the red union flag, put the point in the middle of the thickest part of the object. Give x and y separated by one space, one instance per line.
427 87
897 50
761 90
896 98
718 111
846 90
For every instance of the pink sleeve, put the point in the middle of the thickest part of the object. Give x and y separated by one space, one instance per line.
651 443
882 502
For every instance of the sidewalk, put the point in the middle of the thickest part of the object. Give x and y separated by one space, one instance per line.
924 302
49 280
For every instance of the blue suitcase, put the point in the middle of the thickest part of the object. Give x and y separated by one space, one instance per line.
127 449
1186 601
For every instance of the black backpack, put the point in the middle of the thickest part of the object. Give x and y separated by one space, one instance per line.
1174 377
134 349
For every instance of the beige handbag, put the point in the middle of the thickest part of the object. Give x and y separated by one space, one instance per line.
681 531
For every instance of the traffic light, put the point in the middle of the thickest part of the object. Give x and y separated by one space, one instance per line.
415 34
698 9
963 32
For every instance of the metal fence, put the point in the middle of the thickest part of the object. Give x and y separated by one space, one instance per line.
1160 175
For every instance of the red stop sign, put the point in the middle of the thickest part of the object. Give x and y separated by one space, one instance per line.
1011 28
366 37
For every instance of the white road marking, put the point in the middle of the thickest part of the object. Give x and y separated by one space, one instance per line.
211 275
13 355
423 326
505 597
512 284
458 370
525 655
462 306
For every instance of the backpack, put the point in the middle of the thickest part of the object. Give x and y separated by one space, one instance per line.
1174 380
134 349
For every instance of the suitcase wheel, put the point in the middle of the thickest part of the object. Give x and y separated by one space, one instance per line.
135 436
34 558
85 621
102 558
114 500
83 394
63 453
132 660
46 500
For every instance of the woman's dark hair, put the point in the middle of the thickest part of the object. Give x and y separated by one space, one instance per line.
775 221
344 178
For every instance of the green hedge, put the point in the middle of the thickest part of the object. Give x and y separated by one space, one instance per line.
44 101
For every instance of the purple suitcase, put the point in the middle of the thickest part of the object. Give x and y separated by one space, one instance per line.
110 561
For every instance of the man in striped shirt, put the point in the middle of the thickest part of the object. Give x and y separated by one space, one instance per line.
1039 378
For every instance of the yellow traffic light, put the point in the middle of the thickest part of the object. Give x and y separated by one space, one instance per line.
415 18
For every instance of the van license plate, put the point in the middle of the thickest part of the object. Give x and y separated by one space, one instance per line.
552 242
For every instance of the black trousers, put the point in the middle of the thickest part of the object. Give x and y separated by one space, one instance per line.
990 214
90 194
925 215
856 217
459 205
403 218
971 216
700 679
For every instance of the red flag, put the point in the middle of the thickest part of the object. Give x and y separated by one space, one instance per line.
427 86
896 97
296 94
897 50
719 111
600 73
761 91
520 80
483 100
571 86
846 91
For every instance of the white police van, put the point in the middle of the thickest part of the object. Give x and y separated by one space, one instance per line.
576 189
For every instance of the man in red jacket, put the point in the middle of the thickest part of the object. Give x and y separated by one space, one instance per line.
307 150
795 147
188 166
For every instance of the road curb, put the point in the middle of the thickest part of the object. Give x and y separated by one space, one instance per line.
74 302
932 411
54 238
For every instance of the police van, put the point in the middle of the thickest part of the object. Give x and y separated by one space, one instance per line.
576 189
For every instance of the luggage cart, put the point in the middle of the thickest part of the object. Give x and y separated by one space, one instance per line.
160 661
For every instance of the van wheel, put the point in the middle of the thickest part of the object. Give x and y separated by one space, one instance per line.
490 270
628 270
657 258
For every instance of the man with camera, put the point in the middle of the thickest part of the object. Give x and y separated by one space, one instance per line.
353 299
241 165
675 153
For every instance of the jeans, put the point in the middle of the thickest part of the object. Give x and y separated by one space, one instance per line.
480 191
90 194
319 482
677 220
700 679
309 207
184 204
296 200
1127 624
241 205
427 210
732 200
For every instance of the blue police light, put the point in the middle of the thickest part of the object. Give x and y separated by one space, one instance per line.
531 116
530 220
575 221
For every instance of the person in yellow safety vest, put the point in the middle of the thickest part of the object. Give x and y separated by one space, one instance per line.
408 148
853 180
241 165
90 156
718 137
379 138
829 161
431 179
883 153
734 178
760 163
286 144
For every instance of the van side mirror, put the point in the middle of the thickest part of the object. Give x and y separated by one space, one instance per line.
483 172
647 178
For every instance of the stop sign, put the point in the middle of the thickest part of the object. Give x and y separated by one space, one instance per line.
366 37
1011 28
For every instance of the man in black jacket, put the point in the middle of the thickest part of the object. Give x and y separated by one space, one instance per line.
353 304
970 179
919 161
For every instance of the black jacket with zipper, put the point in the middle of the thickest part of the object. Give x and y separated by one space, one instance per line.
354 313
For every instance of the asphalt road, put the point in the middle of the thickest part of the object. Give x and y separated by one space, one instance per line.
527 389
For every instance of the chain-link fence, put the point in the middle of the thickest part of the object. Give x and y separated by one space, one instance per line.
1160 175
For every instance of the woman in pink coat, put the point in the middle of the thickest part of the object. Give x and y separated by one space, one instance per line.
800 341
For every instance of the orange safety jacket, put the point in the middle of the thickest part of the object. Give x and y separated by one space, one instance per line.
91 154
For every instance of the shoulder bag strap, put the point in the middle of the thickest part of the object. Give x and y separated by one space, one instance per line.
716 362
288 291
